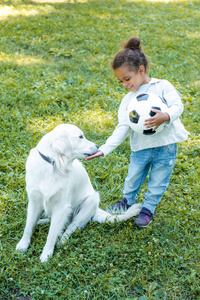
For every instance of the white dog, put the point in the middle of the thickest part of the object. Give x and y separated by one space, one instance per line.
58 184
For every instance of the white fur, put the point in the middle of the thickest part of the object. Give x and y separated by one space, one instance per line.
62 189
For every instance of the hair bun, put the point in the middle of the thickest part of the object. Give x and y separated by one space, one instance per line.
133 44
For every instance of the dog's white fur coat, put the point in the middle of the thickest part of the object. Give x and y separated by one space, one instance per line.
59 185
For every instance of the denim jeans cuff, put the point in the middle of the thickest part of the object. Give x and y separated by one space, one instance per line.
132 200
149 207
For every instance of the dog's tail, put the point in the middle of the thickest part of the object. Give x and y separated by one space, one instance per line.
102 216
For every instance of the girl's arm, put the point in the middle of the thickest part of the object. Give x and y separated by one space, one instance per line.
173 99
175 107
119 134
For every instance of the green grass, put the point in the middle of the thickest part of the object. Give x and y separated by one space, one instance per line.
54 68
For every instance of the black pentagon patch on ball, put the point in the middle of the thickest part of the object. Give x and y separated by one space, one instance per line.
142 97
134 116
149 131
152 113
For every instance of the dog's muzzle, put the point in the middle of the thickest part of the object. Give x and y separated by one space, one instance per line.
89 154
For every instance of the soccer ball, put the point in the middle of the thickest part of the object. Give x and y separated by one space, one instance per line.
140 109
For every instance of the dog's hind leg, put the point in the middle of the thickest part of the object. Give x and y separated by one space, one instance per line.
87 210
33 213
102 216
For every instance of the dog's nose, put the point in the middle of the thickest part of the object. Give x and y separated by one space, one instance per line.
97 146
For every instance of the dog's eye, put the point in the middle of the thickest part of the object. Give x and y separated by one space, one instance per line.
81 136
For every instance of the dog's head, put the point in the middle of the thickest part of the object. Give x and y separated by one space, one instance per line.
68 142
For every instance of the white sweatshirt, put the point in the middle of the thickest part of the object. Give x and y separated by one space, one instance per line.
173 131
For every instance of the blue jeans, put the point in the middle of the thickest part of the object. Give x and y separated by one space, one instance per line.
159 163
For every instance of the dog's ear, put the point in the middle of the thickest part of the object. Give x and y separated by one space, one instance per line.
62 148
62 145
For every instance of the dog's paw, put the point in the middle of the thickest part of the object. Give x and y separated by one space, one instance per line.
45 256
64 239
22 246
43 221
135 208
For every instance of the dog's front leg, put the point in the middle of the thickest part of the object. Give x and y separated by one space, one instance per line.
33 212
58 220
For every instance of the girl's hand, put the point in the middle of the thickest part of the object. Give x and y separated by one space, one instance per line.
155 121
97 154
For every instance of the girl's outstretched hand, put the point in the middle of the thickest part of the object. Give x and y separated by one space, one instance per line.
97 154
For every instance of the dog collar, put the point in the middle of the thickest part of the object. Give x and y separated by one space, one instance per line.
47 159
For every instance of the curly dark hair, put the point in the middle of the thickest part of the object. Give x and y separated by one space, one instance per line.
131 56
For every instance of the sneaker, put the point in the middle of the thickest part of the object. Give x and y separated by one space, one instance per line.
121 206
144 219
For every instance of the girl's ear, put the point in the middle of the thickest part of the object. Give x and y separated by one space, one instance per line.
141 69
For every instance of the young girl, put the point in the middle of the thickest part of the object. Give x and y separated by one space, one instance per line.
153 154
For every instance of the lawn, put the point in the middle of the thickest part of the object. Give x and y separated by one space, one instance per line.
54 68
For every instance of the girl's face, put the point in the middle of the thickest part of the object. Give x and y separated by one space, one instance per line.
130 79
